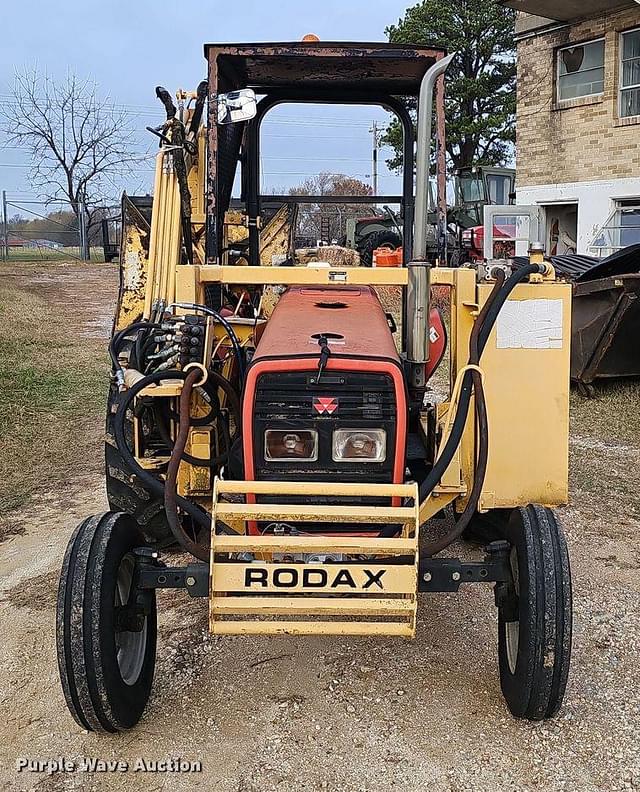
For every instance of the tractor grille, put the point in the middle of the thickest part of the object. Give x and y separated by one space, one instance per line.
351 400
359 397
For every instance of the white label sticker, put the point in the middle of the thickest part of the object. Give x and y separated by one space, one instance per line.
530 324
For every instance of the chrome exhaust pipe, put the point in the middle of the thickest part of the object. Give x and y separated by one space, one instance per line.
418 307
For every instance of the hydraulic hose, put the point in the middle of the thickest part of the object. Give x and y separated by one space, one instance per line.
480 335
438 545
215 412
214 462
116 340
493 306
199 516
171 484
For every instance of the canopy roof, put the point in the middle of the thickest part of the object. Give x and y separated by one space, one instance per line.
393 69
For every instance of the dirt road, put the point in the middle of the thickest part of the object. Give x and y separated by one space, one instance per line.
332 713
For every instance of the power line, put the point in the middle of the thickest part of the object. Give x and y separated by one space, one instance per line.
132 109
277 158
11 99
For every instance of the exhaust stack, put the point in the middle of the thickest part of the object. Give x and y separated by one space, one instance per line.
419 274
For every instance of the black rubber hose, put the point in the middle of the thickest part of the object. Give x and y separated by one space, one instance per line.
214 462
199 516
234 403
472 381
116 340
438 545
171 498
148 345
201 98
202 420
235 343
145 342
444 460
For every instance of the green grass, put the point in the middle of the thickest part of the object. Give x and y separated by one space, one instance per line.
52 385
53 254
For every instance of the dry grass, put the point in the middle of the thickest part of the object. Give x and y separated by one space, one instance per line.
612 415
605 457
52 386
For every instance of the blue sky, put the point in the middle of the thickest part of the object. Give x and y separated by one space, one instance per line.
130 47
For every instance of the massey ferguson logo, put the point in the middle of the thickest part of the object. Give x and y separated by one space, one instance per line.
290 577
325 405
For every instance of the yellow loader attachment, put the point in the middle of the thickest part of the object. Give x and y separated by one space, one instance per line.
304 583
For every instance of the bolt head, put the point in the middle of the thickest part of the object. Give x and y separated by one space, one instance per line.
191 581
427 577
455 576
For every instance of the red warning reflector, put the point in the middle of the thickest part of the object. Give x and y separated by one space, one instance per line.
325 405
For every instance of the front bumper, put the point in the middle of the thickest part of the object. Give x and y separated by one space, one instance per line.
272 584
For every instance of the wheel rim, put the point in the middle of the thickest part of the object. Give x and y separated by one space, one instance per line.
512 629
130 646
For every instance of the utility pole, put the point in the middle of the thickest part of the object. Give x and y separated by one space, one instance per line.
377 134
82 224
5 228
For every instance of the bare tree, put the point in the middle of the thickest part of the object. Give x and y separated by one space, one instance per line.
311 215
79 144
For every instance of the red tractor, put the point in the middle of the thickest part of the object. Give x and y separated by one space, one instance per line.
475 189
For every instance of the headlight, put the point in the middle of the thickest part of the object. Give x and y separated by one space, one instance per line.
354 445
285 445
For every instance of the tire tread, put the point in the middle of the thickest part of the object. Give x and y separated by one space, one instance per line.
536 691
80 620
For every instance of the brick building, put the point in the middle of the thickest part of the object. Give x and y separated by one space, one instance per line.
578 120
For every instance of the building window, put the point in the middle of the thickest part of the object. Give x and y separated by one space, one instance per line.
630 74
581 71
621 230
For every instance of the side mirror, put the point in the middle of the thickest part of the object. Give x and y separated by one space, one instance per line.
237 106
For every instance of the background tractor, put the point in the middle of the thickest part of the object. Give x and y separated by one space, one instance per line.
273 422
474 188
367 234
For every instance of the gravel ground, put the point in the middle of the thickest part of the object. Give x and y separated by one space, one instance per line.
335 714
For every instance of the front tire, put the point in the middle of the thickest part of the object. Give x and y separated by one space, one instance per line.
535 623
106 637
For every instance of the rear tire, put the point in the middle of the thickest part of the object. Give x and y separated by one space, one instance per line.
384 238
534 627
125 492
106 671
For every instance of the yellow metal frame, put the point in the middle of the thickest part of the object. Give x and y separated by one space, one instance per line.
529 421
305 276
299 609
458 478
